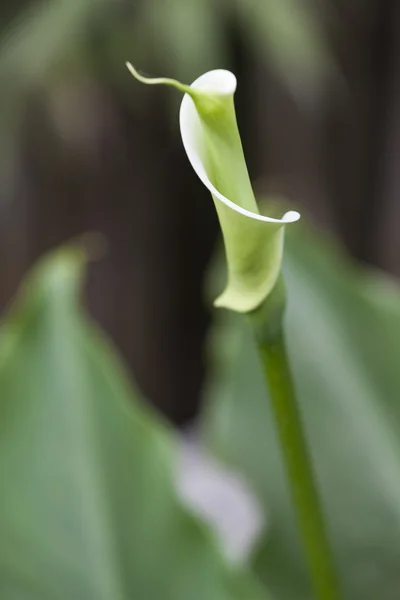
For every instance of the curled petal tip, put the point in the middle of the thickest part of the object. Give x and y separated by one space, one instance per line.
291 217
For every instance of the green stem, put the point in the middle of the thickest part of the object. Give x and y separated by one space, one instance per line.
299 468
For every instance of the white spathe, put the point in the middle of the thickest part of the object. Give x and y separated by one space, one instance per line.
218 82
253 242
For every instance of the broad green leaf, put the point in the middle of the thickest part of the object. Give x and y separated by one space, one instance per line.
343 329
87 506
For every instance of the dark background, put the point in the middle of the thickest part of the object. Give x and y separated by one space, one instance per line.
84 147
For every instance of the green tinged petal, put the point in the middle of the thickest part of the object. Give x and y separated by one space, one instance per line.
253 243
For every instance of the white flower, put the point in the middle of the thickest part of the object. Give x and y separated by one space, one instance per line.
253 242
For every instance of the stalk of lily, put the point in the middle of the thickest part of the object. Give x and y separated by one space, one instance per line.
254 250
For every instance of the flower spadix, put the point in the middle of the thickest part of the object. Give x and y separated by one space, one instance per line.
210 135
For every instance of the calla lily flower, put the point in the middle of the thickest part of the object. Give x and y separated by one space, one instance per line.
210 135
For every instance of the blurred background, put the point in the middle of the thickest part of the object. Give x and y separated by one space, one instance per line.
84 147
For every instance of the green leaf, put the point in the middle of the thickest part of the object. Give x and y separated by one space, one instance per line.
88 509
343 329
